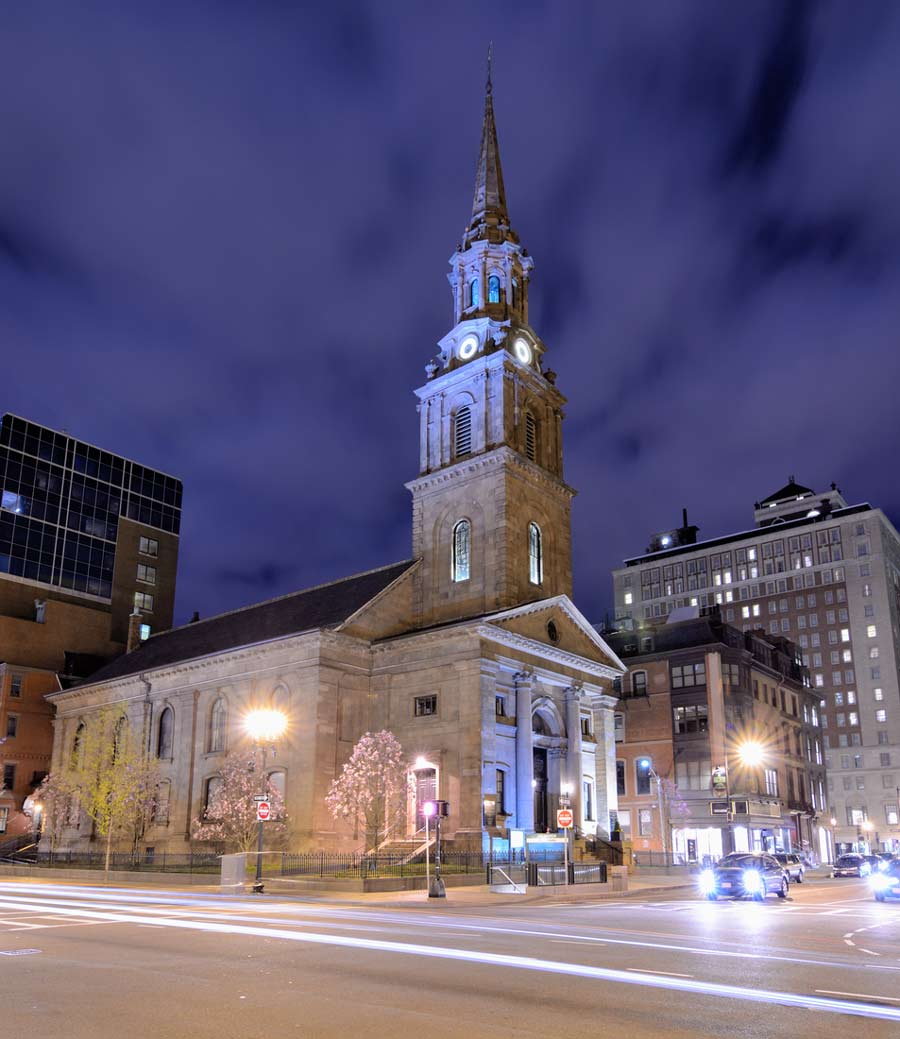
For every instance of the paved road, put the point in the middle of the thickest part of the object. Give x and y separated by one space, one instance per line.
87 961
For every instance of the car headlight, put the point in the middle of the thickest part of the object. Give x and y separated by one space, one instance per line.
753 880
707 881
879 882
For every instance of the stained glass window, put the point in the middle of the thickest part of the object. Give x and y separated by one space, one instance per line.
493 289
462 535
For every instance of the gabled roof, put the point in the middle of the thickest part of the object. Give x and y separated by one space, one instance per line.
324 606
791 489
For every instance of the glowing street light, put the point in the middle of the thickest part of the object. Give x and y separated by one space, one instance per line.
751 753
264 726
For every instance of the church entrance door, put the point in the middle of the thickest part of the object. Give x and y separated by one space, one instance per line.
540 790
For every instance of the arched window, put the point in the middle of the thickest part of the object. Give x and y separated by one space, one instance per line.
474 295
210 788
215 739
462 537
462 432
165 733
530 437
493 289
276 782
535 554
515 292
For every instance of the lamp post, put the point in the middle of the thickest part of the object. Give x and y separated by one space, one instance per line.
264 727
428 810
749 754
868 826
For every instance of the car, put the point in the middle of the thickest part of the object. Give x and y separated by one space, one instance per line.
886 884
793 865
851 865
745 875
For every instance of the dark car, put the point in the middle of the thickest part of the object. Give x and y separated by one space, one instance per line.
886 883
792 864
745 875
851 865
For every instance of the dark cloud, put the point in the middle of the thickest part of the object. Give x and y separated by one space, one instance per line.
224 232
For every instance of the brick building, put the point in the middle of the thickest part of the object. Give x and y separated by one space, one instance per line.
730 729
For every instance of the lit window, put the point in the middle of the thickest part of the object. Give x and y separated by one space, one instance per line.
147 574
871 631
845 634
143 601
535 554
493 289
14 503
878 693
462 431
148 546
474 296
881 715
629 598
462 536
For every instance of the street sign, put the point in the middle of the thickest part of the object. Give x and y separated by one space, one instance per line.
262 810
719 781
564 819
261 797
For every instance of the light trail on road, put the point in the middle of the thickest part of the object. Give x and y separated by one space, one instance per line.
666 981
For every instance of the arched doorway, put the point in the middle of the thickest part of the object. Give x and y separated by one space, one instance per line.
542 733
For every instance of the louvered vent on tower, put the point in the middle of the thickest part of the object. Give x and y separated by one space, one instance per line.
530 437
462 441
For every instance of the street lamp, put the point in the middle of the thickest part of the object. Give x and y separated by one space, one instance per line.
751 754
264 726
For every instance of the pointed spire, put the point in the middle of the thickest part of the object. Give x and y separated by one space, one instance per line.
490 196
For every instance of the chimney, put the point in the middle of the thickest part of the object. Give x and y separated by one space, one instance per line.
195 618
684 522
134 631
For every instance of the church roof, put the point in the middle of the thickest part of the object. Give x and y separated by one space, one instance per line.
791 489
324 606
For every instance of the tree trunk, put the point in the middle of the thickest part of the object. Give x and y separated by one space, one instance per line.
108 850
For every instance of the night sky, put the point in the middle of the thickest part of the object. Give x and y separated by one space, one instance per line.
224 234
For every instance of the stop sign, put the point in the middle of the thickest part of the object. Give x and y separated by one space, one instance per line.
263 810
564 819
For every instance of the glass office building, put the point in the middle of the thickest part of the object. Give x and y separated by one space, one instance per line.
61 502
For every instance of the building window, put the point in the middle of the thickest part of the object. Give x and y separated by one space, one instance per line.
620 778
493 289
15 686
642 779
535 554
771 782
462 534
218 716
881 715
148 546
165 734
426 706
586 729
691 719
9 777
462 432
4 815
688 675
530 437
143 601
12 724
619 727
645 822
500 706
210 788
588 799
639 683
146 573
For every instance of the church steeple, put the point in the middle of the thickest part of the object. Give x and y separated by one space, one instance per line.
490 505
489 203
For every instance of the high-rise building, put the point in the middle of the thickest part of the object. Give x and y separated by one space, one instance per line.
826 575
87 540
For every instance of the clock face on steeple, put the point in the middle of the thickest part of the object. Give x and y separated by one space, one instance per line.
468 348
522 350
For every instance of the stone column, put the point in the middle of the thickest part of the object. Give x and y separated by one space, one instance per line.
524 753
574 770
604 731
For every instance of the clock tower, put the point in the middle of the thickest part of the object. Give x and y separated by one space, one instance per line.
491 512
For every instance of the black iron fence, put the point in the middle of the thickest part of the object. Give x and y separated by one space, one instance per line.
660 858
142 862
359 866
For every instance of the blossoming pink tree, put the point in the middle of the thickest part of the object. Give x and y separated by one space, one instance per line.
230 818
371 791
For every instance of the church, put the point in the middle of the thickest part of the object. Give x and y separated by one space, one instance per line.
471 653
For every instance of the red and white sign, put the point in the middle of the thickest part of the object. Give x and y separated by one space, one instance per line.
564 819
263 810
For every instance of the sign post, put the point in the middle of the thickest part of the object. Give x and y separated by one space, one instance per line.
565 820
